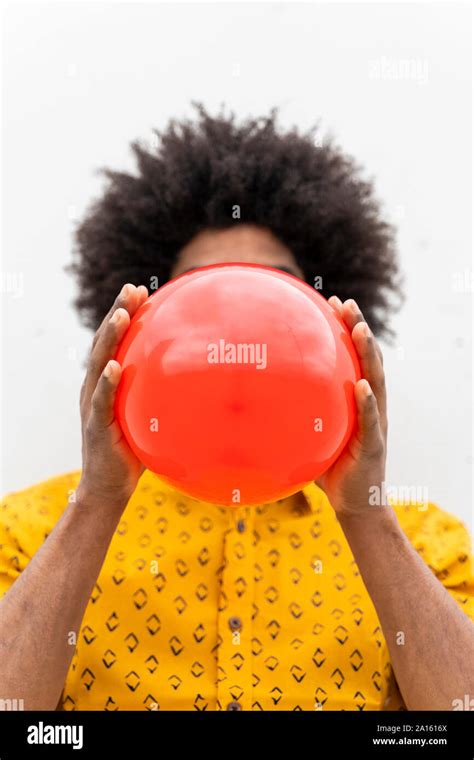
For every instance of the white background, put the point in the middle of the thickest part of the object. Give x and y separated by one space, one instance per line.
81 81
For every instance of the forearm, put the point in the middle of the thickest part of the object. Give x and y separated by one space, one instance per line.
430 640
41 614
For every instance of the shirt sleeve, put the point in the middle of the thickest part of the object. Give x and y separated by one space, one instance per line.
444 543
26 519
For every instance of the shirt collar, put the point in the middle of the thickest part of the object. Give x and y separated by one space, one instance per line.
314 496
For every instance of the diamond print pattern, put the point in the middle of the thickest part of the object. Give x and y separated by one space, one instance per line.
308 637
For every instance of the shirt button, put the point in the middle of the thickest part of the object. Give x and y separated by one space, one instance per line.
234 706
235 624
241 526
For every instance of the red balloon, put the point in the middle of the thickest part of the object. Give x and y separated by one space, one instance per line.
238 384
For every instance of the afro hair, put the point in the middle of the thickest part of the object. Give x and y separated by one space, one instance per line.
308 193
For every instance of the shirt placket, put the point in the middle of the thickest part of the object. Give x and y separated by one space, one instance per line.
234 653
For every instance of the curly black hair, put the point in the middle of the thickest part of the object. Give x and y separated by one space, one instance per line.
309 195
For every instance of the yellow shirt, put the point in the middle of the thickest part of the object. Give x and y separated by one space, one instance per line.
199 607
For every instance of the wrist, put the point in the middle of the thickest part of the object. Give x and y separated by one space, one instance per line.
375 538
371 517
87 497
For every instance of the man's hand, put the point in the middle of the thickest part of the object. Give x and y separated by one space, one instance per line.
430 667
361 466
56 585
110 469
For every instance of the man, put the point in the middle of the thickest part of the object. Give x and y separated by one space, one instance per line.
121 593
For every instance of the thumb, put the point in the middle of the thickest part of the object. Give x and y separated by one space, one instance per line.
103 398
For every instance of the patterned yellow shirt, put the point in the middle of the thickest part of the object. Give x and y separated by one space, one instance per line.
199 607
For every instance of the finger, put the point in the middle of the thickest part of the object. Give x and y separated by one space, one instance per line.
336 303
109 335
371 366
369 434
352 316
351 313
105 348
129 298
103 398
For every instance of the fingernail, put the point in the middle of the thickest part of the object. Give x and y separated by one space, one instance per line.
125 290
108 369
115 317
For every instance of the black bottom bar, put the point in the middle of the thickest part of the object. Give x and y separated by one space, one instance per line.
137 734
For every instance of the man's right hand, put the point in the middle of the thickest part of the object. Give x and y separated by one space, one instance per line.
110 469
